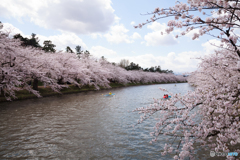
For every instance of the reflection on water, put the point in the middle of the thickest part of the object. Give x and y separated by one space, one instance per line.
82 126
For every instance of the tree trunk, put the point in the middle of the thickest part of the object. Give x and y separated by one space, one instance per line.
60 81
35 84
29 83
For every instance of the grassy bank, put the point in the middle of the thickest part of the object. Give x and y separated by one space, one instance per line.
45 92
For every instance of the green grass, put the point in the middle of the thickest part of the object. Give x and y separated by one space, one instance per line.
44 92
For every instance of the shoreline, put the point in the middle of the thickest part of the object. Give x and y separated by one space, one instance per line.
47 92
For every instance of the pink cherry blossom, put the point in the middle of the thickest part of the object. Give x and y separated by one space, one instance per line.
212 110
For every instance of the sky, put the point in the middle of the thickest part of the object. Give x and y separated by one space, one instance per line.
105 28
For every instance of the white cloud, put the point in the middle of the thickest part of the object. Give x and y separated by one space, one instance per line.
118 34
136 35
155 26
63 40
182 62
80 17
155 38
117 19
9 28
99 51
209 48
96 35
132 23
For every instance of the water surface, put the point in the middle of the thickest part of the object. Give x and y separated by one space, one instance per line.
82 126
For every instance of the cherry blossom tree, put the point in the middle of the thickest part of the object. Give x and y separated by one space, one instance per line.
221 15
19 65
98 75
117 73
210 114
22 64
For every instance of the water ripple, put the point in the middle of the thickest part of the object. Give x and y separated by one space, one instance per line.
82 126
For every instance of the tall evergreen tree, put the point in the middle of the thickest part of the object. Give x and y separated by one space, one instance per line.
33 41
133 66
48 46
68 49
78 50
158 69
152 69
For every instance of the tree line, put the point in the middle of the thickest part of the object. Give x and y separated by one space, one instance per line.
24 64
48 46
124 63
